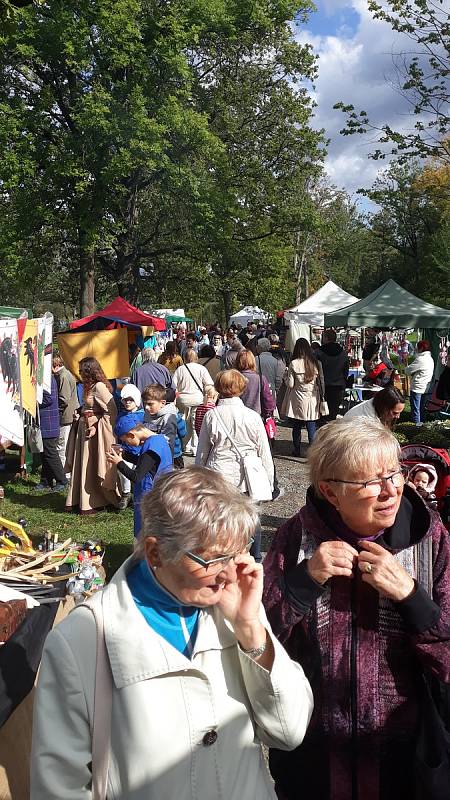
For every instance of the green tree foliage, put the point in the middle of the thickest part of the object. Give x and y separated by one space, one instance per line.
408 236
171 138
423 70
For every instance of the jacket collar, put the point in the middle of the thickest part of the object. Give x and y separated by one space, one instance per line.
136 652
412 523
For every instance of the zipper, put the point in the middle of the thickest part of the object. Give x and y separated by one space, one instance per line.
354 691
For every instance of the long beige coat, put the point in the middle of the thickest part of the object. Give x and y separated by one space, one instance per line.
93 483
302 400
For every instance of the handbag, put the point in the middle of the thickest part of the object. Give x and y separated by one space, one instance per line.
195 379
34 434
256 478
323 405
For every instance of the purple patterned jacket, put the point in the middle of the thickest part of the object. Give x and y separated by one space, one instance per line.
362 653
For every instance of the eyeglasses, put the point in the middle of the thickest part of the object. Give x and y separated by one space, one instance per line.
223 560
375 486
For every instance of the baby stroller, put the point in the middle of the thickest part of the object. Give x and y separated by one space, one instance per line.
440 460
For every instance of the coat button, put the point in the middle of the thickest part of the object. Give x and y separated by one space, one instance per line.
210 738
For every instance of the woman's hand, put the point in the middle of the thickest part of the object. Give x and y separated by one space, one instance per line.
90 432
330 559
382 571
240 602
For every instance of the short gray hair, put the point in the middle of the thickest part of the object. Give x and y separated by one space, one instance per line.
263 345
351 448
148 354
195 509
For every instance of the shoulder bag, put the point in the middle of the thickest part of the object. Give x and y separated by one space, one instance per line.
256 478
323 405
195 379
101 719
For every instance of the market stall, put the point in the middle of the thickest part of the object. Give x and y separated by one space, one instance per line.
310 313
389 306
106 336
249 314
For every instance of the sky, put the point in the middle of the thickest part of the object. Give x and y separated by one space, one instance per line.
356 65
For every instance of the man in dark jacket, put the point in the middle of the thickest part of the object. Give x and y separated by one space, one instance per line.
49 422
335 365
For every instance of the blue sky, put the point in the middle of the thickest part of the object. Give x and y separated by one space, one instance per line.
357 56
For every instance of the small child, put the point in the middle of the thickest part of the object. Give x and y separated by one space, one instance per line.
160 411
154 458
130 398
209 401
423 477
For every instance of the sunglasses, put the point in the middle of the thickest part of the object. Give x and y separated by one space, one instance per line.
223 560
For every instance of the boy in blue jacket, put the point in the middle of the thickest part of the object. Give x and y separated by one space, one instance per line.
155 457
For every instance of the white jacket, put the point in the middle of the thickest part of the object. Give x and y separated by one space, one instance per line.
364 409
187 387
421 371
214 449
163 705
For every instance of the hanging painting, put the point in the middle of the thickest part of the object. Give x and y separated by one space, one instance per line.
11 422
28 362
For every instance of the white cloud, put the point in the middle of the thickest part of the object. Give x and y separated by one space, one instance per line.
358 70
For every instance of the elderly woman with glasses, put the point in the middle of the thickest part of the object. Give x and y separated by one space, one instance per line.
198 680
358 591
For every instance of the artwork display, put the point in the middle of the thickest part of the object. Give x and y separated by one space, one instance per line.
11 418
28 365
48 352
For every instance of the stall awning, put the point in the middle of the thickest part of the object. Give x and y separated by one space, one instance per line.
312 310
390 306
119 313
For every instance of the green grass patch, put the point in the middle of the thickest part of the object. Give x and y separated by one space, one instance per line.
45 511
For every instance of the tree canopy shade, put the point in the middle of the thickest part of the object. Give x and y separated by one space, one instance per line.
389 306
312 310
117 314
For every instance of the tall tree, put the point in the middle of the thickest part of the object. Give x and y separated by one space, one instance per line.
423 71
151 134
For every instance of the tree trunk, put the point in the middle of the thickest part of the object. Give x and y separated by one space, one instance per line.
226 296
87 281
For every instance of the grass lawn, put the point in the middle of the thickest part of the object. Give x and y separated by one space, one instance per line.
45 511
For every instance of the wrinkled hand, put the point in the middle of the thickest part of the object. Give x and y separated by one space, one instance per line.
90 432
241 601
330 559
387 576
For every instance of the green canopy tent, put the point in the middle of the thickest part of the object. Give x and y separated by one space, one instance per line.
389 306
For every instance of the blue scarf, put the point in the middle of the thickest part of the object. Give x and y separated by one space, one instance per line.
169 617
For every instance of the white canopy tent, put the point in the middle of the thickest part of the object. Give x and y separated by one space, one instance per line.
327 299
248 314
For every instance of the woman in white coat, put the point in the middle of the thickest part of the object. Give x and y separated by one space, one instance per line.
198 680
191 380
217 451
304 389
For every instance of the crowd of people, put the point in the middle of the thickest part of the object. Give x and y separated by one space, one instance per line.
331 653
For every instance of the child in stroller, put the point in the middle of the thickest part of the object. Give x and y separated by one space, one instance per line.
423 478
417 458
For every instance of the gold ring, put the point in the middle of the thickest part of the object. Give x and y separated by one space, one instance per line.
368 568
